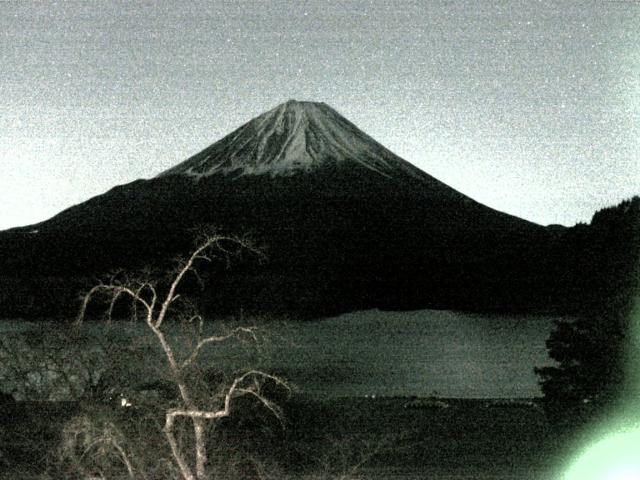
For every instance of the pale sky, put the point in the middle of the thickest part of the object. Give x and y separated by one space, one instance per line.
530 107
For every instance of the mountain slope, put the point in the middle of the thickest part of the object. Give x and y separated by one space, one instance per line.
346 224
295 149
291 138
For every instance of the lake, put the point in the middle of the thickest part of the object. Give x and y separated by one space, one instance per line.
372 352
416 353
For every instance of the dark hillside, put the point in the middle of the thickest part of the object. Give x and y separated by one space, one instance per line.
345 225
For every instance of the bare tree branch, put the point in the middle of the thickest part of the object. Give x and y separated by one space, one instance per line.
156 303
217 339
234 391
115 291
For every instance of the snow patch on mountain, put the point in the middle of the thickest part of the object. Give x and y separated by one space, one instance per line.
291 138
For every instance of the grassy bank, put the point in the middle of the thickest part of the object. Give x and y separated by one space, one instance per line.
328 439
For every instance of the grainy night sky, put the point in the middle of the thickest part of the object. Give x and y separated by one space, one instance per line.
530 107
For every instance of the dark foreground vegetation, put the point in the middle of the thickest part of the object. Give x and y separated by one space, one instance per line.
597 350
344 438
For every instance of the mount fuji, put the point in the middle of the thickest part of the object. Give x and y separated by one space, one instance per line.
346 224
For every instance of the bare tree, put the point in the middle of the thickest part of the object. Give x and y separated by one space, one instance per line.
154 303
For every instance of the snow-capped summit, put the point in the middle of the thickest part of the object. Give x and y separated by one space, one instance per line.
291 138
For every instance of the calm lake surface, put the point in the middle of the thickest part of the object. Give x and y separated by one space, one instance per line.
380 353
417 353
